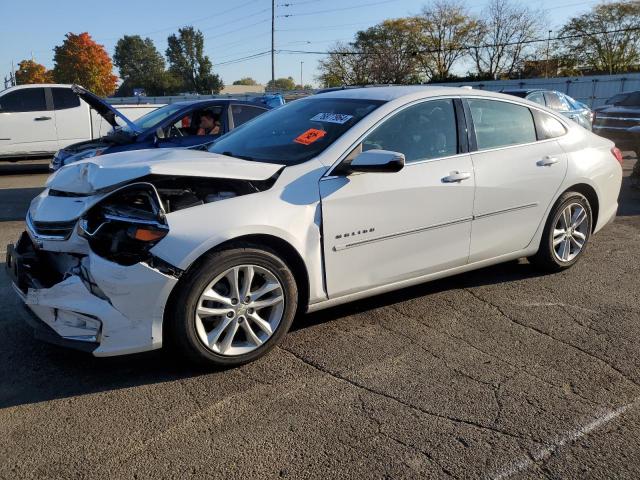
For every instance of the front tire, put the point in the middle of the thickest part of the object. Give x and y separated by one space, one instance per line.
566 233
233 307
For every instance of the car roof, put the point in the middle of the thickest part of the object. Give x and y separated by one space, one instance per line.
388 93
188 103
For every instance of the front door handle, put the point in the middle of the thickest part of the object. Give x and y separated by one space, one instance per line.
455 177
547 161
40 119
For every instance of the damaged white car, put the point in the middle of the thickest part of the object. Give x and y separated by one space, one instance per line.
328 199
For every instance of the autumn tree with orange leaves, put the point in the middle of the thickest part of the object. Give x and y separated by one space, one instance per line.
30 71
82 61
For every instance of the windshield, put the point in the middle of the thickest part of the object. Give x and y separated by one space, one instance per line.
295 132
154 117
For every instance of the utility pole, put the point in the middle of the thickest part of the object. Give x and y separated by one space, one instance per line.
301 84
546 67
273 41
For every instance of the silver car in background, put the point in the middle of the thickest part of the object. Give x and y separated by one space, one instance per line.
558 101
328 199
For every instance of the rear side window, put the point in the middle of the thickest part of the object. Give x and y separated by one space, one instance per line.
549 127
500 124
64 98
536 97
244 113
26 100
421 132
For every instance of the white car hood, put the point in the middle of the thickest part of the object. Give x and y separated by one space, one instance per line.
90 176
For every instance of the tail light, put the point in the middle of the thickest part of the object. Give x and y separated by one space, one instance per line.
618 154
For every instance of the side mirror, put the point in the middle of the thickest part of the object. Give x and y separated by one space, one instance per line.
377 161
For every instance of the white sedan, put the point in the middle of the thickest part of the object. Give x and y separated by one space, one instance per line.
328 199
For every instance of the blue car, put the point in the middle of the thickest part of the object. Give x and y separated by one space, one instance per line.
177 125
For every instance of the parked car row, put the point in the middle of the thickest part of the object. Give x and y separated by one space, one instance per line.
38 120
322 201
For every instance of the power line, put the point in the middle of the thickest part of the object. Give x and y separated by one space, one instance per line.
468 47
336 9
242 59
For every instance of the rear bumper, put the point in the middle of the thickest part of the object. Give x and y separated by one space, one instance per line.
93 305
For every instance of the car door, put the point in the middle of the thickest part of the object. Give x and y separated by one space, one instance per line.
517 175
72 117
380 228
27 124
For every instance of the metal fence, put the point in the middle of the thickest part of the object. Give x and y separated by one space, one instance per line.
591 90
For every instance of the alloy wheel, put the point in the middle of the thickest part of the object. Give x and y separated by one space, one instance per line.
570 232
239 310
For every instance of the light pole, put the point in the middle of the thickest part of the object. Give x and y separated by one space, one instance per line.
301 84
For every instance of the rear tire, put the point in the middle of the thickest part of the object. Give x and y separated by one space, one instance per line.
566 233
213 322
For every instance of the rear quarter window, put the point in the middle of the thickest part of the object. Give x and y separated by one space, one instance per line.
548 126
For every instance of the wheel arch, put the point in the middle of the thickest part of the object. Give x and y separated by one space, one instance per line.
288 253
592 197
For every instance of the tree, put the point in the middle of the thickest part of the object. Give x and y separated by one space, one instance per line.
245 81
281 84
502 38
445 28
188 62
31 72
384 53
586 45
140 65
81 60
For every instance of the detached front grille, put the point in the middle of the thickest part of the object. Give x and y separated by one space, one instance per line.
51 230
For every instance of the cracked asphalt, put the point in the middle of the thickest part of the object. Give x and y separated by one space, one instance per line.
498 373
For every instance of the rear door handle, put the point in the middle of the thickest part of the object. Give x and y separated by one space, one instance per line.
40 119
454 177
547 161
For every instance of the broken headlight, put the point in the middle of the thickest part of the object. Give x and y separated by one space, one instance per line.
124 226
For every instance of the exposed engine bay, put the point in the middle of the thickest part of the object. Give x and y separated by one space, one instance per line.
127 223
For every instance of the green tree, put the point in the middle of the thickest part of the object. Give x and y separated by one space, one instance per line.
140 66
187 61
245 81
384 53
281 84
599 52
445 27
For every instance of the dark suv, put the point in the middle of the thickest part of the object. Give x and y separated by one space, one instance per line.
619 121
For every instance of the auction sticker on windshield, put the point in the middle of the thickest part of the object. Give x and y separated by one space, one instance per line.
339 118
310 136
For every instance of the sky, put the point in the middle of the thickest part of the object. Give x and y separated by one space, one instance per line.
233 30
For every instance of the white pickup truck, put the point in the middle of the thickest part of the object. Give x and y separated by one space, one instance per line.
38 120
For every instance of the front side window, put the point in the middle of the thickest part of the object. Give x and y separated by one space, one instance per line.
295 132
64 98
500 124
421 132
243 113
154 117
203 122
25 100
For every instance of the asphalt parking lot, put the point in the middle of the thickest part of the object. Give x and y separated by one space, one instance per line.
498 373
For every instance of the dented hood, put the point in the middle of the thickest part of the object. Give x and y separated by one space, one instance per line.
101 173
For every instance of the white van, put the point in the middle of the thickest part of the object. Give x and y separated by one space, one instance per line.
38 120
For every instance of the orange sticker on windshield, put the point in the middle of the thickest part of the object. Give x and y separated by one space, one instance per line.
310 136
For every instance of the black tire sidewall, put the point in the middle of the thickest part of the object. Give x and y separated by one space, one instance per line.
185 302
547 250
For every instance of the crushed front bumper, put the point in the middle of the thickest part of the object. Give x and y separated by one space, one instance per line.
89 303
